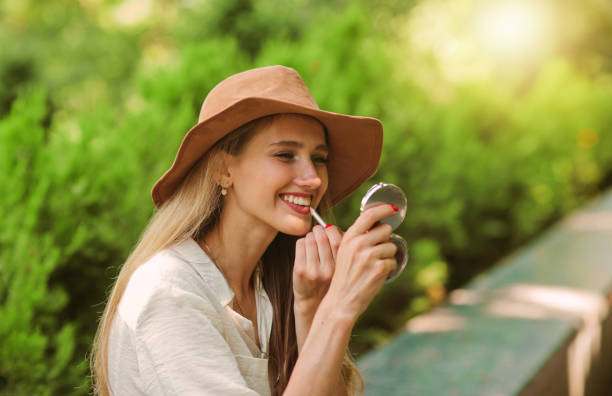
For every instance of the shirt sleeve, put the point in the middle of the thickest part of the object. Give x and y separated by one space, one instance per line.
180 351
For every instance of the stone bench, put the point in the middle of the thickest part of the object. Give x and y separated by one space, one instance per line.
538 323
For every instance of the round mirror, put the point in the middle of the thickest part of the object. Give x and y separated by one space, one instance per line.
401 256
384 193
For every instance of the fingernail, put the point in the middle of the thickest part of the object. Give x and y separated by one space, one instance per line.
327 226
395 208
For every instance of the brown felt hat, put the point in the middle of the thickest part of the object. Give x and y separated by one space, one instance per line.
355 143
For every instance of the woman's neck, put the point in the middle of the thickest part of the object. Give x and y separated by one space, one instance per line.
237 245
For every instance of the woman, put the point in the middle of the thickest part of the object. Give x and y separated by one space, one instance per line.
228 291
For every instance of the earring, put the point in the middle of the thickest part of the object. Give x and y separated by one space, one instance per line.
224 189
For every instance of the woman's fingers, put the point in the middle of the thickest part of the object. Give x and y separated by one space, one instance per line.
378 234
300 257
335 238
368 218
326 256
387 265
312 256
385 250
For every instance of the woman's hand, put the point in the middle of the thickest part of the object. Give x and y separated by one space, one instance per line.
315 257
364 259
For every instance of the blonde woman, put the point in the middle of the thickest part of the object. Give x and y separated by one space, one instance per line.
230 290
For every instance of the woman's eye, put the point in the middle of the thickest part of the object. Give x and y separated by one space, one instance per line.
285 156
288 156
320 160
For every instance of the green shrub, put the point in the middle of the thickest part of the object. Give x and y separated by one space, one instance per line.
37 348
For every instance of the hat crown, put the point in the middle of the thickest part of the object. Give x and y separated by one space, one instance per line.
272 82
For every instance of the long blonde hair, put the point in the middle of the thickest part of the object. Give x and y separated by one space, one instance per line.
192 211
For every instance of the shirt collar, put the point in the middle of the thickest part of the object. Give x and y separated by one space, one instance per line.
190 251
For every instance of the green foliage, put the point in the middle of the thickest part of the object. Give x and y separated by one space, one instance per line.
37 349
485 165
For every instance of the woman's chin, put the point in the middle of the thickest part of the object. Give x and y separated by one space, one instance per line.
297 229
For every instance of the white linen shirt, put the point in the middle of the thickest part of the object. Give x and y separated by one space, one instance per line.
175 332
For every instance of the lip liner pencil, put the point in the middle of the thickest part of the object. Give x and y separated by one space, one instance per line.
317 217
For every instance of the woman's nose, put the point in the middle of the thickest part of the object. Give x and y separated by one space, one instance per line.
308 176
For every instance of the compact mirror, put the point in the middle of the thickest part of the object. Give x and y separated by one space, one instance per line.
384 193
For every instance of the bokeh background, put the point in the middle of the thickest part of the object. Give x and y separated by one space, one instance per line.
497 119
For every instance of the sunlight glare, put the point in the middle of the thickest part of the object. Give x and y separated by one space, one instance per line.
511 27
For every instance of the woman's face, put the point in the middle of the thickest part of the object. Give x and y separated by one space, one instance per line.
280 173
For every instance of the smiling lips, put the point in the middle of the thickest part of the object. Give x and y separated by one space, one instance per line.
298 202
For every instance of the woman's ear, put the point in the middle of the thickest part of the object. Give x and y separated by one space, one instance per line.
224 174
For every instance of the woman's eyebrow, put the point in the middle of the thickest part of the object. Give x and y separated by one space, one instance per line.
293 143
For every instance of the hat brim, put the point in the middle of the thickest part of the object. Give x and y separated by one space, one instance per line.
355 144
